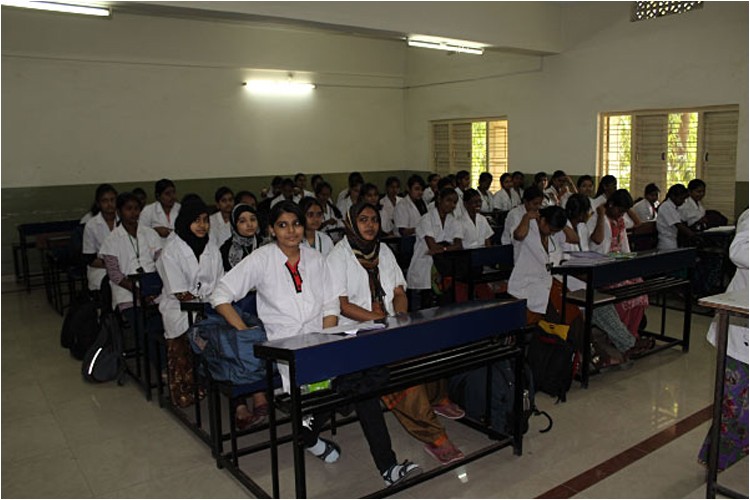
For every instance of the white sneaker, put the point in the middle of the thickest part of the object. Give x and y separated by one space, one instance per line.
399 472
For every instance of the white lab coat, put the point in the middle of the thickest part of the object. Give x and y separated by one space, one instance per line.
606 244
530 279
419 274
511 223
459 210
475 233
349 278
219 231
582 230
344 205
666 225
121 245
644 210
323 243
406 215
486 200
94 234
428 195
737 346
153 215
516 197
691 211
284 312
181 271
387 211
502 201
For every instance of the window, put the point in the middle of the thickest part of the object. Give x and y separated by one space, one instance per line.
672 146
474 145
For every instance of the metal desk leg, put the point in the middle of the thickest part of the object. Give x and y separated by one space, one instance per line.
688 313
721 363
297 445
272 430
586 349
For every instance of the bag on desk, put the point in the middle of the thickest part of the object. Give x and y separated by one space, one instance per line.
551 361
227 352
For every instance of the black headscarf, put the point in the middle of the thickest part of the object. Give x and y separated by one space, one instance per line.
366 252
188 213
239 247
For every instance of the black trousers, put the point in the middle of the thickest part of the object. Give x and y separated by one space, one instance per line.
373 425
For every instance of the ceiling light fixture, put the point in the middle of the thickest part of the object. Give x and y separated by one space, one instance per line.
88 10
284 87
447 45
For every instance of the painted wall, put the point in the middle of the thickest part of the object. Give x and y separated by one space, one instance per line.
609 64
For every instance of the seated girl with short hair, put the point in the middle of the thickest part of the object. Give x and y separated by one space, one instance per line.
96 231
315 239
161 214
221 228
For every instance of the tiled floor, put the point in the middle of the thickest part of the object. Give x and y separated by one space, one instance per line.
64 438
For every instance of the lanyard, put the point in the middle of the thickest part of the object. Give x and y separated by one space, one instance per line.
136 246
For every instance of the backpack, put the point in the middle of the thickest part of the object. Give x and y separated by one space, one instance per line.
469 389
104 361
81 326
552 363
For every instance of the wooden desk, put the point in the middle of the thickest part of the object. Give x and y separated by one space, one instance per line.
725 305
656 267
28 234
418 347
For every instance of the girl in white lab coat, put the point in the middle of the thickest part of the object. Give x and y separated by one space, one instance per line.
483 188
432 188
669 222
476 230
190 268
438 231
295 298
734 419
371 286
315 239
646 207
388 205
331 215
96 231
410 210
221 226
503 199
516 193
161 214
528 210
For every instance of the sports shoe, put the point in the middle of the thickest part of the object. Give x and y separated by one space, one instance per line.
445 453
398 472
331 453
448 409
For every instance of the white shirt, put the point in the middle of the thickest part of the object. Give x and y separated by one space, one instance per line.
511 223
691 211
475 233
459 210
516 197
605 246
582 246
737 346
153 215
487 200
350 278
502 201
599 200
181 271
284 311
644 210
323 243
428 194
530 278
131 254
419 275
94 234
406 215
344 205
666 225
219 231
387 210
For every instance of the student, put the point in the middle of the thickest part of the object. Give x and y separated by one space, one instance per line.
733 438
517 190
528 210
161 214
388 205
485 181
286 193
410 210
354 194
314 238
96 231
295 298
246 238
585 186
370 286
141 195
353 179
692 212
246 198
300 187
447 181
668 221
275 188
561 187
503 199
190 268
476 230
221 227
370 194
331 214
646 207
607 186
438 231
432 188
463 180
315 180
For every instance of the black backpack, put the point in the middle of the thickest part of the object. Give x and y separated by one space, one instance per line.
551 361
81 326
104 361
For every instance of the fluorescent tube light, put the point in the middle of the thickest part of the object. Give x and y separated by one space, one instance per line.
59 7
450 46
279 87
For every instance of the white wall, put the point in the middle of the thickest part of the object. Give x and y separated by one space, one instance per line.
137 98
609 64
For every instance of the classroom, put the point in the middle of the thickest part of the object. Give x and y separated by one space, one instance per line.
165 90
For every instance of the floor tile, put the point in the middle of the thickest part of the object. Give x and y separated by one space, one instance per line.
47 476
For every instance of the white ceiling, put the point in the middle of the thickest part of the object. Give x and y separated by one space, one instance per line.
519 26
